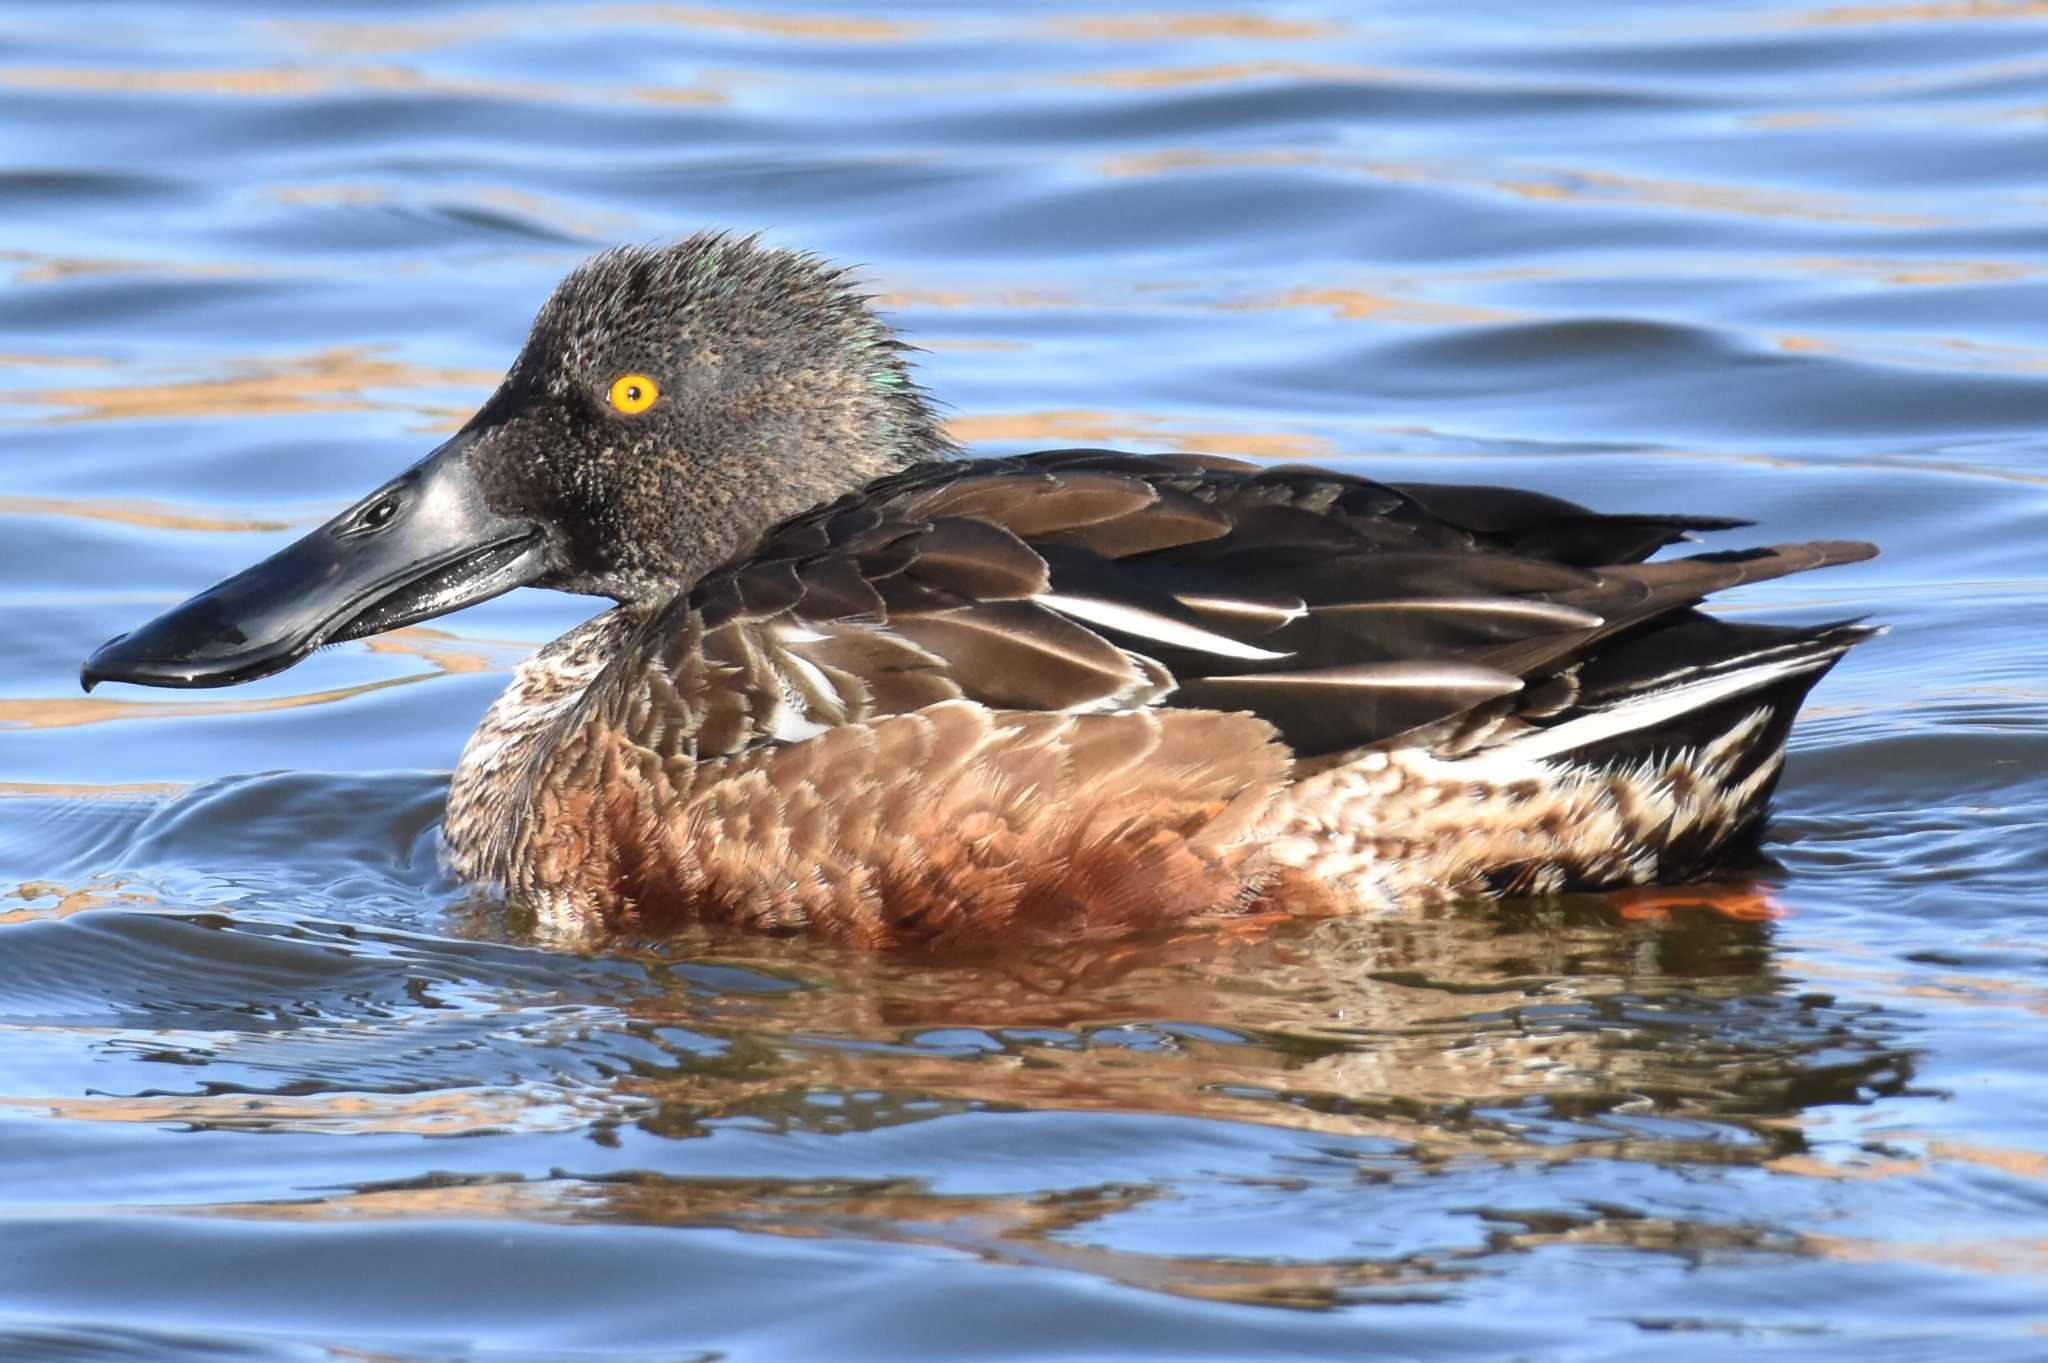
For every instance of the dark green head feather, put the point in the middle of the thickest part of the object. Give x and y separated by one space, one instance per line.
778 388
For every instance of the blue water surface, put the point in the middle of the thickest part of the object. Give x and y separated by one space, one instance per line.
273 1087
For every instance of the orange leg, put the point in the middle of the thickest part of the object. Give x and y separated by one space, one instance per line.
1747 901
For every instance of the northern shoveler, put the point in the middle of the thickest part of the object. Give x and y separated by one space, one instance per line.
857 685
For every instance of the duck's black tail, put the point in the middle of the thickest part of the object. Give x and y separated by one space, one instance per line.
1701 705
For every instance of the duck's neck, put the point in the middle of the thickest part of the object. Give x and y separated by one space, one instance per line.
489 779
489 784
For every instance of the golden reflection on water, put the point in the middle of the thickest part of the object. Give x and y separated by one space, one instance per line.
1058 1230
1933 116
2014 1257
1973 992
70 790
1912 274
1047 1230
387 35
450 654
1016 300
1912 12
66 712
74 899
1893 271
805 27
146 515
1935 1152
504 1200
23 361
1233 73
302 82
36 268
1361 305
341 379
1538 184
445 1112
1923 352
1236 27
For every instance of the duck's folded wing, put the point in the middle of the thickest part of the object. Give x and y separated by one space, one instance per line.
1342 611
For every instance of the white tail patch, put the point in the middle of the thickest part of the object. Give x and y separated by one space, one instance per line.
1654 708
1146 624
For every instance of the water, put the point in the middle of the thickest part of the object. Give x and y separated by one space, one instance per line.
272 1087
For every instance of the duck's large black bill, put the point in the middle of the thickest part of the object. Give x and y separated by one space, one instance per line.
422 545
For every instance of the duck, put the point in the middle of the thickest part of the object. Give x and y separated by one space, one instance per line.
857 683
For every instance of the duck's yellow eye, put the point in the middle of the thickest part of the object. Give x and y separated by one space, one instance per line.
633 393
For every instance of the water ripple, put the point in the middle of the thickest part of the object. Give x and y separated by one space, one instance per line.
273 1086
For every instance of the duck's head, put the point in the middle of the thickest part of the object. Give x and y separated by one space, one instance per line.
668 406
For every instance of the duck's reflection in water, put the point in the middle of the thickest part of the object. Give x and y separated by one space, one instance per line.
1460 1032
1421 1059
1297 1115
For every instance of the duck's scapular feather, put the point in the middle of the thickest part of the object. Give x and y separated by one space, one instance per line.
1082 690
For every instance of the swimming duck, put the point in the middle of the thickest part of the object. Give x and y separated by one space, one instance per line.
855 684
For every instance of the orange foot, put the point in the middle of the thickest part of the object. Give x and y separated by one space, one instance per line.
1249 927
1746 901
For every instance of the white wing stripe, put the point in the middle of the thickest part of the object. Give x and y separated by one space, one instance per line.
1150 625
1641 712
1548 612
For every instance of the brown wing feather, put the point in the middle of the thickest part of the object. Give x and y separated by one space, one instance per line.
1631 595
977 561
1340 610
1027 506
1171 519
1020 656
